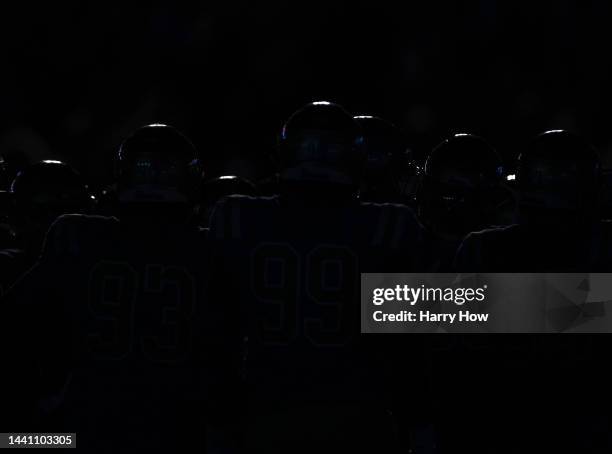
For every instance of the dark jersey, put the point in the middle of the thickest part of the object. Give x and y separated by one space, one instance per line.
517 249
292 272
109 314
547 369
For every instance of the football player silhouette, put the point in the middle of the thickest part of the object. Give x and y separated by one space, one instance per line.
558 227
110 311
459 192
558 230
38 195
291 264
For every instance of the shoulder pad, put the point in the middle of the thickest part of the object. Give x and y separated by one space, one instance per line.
395 224
70 234
233 211
473 249
492 233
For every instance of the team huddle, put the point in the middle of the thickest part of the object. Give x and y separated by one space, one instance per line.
223 316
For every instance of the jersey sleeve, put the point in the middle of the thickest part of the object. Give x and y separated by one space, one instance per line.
33 319
30 332
71 234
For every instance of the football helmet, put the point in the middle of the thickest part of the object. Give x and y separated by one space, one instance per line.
460 186
559 180
321 144
43 191
158 165
215 189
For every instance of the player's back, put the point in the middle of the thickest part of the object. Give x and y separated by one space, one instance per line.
518 249
296 268
292 267
541 366
114 308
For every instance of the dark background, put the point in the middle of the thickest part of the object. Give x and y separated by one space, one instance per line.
77 77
